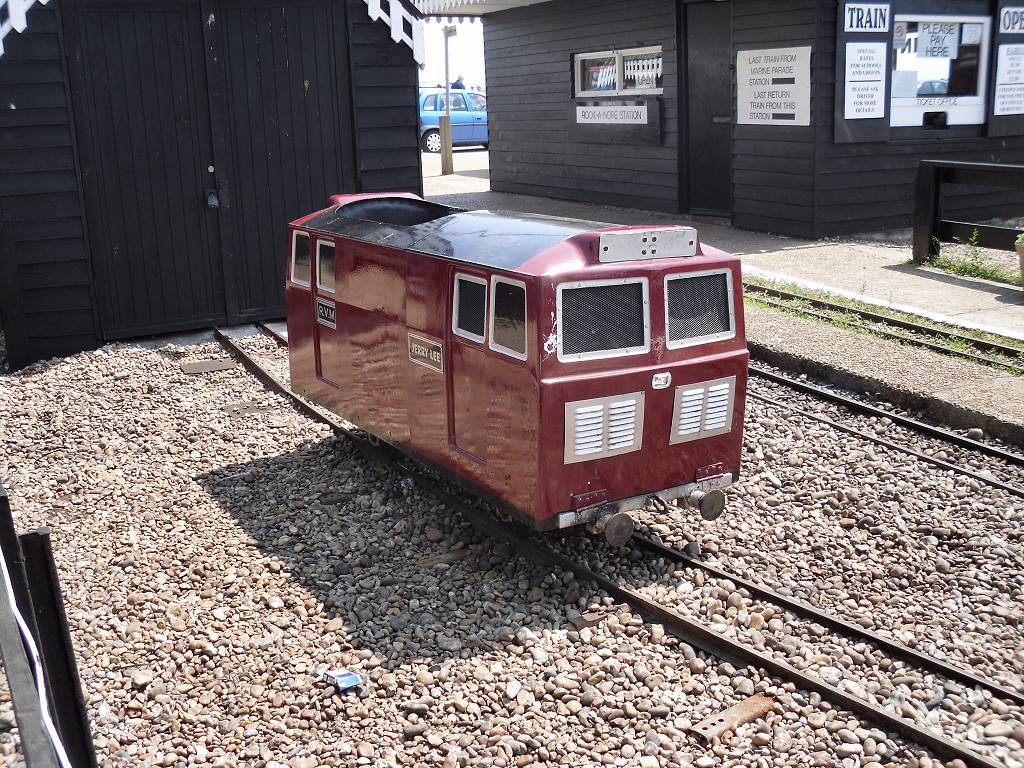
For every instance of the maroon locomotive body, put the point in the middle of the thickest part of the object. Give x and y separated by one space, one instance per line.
570 369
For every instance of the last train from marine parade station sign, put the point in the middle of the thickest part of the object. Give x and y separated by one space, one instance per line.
773 86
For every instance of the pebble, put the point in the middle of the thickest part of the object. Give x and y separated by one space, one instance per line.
220 564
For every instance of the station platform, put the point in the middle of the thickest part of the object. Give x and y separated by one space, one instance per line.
874 272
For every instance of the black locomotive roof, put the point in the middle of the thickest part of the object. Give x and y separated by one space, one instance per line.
488 238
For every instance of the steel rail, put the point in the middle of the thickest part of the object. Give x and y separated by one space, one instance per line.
904 421
273 333
1003 486
902 338
686 629
807 611
875 317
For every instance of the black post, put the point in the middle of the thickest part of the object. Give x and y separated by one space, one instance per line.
35 743
54 638
926 212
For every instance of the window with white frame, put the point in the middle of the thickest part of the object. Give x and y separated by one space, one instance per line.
508 317
301 258
939 65
603 318
632 71
325 265
469 313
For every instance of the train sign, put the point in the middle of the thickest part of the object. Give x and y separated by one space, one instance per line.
326 313
426 352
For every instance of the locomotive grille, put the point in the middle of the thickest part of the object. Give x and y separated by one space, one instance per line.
603 318
698 308
703 409
604 426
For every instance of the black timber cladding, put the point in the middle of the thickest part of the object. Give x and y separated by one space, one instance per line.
530 91
773 171
265 108
385 86
46 301
787 179
870 186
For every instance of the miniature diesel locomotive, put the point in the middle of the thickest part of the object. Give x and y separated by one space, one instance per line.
571 370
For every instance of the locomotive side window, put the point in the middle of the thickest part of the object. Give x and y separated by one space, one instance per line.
470 310
508 317
603 318
698 307
325 265
300 258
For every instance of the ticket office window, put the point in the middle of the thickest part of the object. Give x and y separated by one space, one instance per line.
939 70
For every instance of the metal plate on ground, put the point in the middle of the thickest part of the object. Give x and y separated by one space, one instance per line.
208 366
246 407
715 725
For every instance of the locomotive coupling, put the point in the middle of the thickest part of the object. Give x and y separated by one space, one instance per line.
711 504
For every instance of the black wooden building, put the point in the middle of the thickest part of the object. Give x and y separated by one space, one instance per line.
749 108
153 151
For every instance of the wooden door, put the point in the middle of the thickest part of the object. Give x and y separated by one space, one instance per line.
708 50
278 94
139 94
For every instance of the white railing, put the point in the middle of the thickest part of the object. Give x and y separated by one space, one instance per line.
396 17
17 10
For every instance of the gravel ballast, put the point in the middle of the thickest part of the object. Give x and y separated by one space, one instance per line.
214 565
964 386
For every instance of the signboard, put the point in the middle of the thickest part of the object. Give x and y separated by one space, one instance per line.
1009 81
1011 21
326 313
938 40
773 86
866 17
865 81
635 114
426 352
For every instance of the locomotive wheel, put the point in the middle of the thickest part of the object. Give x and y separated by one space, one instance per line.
432 142
618 529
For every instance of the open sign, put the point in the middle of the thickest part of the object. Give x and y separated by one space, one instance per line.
1011 21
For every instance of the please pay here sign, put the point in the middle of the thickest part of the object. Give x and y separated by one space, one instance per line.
773 86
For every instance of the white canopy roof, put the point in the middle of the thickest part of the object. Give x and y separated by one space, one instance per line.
469 7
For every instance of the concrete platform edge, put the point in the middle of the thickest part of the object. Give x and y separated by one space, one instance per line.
946 413
811 285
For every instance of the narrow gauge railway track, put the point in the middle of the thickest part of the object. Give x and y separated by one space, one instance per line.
858 406
1010 458
683 627
925 336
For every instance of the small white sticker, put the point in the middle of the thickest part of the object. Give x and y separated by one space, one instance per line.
971 34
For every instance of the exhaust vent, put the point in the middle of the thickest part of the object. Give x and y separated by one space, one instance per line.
702 410
604 426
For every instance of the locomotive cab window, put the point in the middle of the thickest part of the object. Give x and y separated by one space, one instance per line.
325 265
301 258
698 308
603 318
470 307
508 317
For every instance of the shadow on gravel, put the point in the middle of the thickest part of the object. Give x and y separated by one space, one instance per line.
410 581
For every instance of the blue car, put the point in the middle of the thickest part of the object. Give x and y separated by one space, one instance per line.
469 118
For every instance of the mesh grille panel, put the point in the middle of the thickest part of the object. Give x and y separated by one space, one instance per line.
698 306
597 318
472 298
